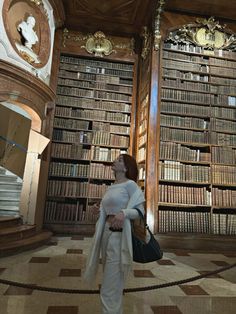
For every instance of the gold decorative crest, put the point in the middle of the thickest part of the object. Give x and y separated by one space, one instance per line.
157 25
98 44
207 33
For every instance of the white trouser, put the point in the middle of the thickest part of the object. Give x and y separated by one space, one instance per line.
113 278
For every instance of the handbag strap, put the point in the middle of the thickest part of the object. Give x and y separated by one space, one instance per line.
142 217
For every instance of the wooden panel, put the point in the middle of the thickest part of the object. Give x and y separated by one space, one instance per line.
217 8
115 16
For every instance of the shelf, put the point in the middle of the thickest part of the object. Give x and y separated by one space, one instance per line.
184 182
207 163
183 205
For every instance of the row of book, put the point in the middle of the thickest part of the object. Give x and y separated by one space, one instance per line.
202 87
186 122
223 139
180 83
78 152
177 151
93 115
142 126
185 66
58 212
171 134
176 171
96 70
95 85
173 73
75 189
78 92
70 151
95 138
141 154
167 54
223 198
184 195
199 59
197 222
90 77
142 139
191 48
223 174
199 98
188 136
222 71
70 124
93 170
223 80
197 123
222 125
97 63
184 221
92 104
223 155
198 110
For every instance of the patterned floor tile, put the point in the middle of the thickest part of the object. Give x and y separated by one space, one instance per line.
52 243
165 262
193 290
70 272
74 251
63 310
220 263
203 272
38 259
18 291
166 309
181 253
78 237
143 273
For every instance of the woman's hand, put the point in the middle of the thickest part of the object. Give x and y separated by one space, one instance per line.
118 220
95 209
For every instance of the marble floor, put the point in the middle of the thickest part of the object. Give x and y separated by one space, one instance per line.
61 264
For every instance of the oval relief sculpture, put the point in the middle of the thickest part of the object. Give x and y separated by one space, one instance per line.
27 27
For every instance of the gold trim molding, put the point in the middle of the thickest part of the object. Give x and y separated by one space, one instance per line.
98 44
157 25
145 34
37 2
206 33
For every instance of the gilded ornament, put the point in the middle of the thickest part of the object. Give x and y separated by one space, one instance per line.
157 25
98 44
37 2
207 33
146 42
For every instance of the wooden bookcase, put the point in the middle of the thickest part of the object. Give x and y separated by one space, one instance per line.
142 118
197 160
91 128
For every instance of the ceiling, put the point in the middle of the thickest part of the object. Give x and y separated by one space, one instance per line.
126 17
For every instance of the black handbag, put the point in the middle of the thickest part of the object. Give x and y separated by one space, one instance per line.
145 252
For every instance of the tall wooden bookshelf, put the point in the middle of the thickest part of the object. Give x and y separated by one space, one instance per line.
91 128
197 160
142 117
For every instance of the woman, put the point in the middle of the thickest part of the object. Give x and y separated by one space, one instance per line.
113 233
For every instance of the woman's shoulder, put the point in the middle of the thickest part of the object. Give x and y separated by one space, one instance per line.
132 185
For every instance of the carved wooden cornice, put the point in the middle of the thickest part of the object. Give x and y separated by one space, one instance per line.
19 86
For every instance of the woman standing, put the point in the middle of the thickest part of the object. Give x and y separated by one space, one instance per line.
113 233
